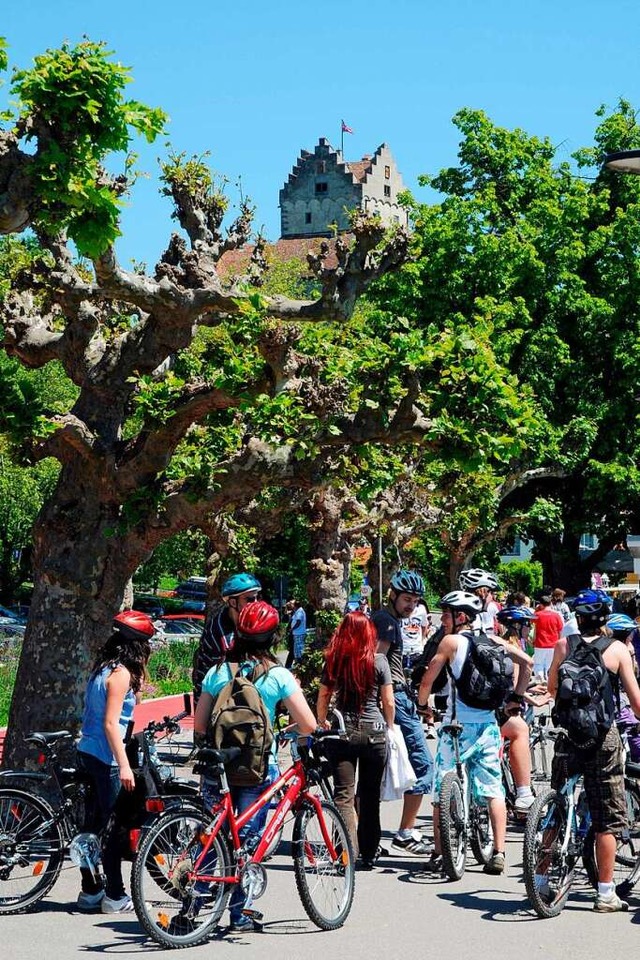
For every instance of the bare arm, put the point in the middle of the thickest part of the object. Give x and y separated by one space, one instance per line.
117 685
300 712
322 704
388 704
628 678
444 654
559 654
203 712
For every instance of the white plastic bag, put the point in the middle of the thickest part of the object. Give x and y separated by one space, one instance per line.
398 774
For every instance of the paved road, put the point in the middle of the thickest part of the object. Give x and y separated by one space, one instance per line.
397 912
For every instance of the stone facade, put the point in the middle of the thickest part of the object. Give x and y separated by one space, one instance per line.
323 187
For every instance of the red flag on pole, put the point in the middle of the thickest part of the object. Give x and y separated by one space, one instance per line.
345 128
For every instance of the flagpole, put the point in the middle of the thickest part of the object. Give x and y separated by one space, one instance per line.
342 139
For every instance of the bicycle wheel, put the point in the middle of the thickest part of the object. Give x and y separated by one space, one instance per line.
31 850
627 848
540 765
481 839
175 909
548 871
453 827
325 883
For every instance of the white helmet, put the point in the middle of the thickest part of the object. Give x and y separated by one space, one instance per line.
463 602
475 577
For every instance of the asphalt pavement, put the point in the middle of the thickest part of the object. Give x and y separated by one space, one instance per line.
398 911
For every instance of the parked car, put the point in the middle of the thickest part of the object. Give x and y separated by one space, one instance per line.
178 627
195 588
147 603
11 627
12 614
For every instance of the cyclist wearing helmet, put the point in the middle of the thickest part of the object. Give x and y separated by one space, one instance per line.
483 584
406 588
256 629
115 679
603 766
515 619
219 630
622 627
480 736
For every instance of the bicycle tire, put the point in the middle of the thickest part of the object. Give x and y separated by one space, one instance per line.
453 828
481 838
32 864
627 849
546 814
172 912
325 886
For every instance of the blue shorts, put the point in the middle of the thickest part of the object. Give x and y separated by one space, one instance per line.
480 745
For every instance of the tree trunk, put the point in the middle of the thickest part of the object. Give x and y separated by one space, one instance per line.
80 575
328 583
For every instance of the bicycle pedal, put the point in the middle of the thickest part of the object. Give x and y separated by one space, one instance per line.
253 914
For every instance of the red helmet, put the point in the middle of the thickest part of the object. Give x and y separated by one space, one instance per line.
257 622
134 625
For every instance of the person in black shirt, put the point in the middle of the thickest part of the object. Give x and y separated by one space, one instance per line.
407 588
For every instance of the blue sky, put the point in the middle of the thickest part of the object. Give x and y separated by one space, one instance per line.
254 83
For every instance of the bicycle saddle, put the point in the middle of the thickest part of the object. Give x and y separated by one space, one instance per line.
46 737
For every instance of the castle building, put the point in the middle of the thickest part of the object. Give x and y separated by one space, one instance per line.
323 187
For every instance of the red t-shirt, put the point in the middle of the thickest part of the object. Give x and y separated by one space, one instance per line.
549 624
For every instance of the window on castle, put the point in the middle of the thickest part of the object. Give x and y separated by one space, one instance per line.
387 190
307 218
321 166
322 186
387 173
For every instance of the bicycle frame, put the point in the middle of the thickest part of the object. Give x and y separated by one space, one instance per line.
294 782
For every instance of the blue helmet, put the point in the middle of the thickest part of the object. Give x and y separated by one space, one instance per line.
240 583
621 623
592 603
407 581
515 615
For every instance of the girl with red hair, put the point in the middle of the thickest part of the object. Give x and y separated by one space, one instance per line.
360 680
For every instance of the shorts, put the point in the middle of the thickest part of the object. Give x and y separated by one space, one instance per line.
480 745
603 773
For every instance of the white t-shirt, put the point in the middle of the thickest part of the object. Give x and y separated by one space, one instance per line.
412 629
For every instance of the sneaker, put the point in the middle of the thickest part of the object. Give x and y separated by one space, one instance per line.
610 904
363 863
495 865
434 863
245 925
430 732
523 803
122 905
415 843
89 901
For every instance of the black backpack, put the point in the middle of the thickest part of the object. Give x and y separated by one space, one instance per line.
585 704
428 653
240 719
486 678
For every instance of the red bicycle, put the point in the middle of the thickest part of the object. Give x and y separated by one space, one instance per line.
187 866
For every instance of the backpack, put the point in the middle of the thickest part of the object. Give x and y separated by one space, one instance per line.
428 653
240 719
486 678
585 701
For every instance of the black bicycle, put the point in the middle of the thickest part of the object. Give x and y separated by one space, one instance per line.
36 834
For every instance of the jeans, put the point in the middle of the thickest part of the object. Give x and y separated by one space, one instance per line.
243 797
106 787
411 725
365 750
